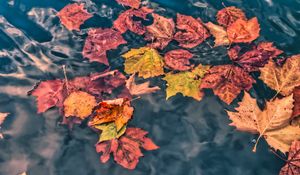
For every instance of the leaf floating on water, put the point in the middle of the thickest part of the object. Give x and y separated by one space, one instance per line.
139 89
178 60
145 61
220 34
187 83
109 131
99 41
73 16
131 3
227 81
126 149
160 32
229 15
292 166
192 32
282 79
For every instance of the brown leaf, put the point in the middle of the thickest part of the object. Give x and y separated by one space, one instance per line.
242 31
227 81
131 3
139 89
160 32
99 41
296 110
178 60
220 34
229 15
292 166
73 15
192 31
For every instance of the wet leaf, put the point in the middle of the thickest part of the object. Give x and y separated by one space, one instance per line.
242 31
296 95
220 34
99 41
227 81
145 61
109 131
178 60
2 119
126 22
282 79
187 83
126 149
139 89
118 111
79 104
292 166
161 32
131 3
73 16
192 32
229 15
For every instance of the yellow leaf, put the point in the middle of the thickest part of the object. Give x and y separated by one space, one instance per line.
79 104
220 34
145 61
109 131
282 79
187 83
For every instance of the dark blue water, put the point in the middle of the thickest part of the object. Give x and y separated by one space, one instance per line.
194 137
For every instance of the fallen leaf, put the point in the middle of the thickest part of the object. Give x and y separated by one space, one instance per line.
282 79
257 57
99 41
229 15
296 95
131 3
192 32
145 61
187 83
242 31
2 118
227 81
126 149
118 111
73 16
79 104
126 22
139 89
178 60
220 34
161 32
292 166
109 131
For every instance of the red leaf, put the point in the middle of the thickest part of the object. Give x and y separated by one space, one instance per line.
99 41
192 31
126 149
292 166
73 15
131 3
178 59
296 110
229 15
160 32
255 58
227 81
125 20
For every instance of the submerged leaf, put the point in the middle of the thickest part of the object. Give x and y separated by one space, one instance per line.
131 3
178 60
139 89
229 15
292 166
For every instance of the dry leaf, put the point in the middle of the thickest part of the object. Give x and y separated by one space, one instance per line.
178 60
229 15
139 89
292 166
220 34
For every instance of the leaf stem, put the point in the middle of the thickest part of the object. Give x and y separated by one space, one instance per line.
66 78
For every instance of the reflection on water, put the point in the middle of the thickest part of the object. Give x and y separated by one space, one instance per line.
194 137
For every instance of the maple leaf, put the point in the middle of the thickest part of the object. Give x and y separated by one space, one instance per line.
79 104
131 3
192 31
73 16
160 32
227 81
125 20
255 58
296 95
187 83
229 15
178 60
118 111
126 149
99 41
272 123
139 89
145 61
220 34
282 79
242 31
109 131
292 166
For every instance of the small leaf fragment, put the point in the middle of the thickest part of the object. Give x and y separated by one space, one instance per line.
220 34
139 89
131 3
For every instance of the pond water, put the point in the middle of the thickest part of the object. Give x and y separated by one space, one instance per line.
194 137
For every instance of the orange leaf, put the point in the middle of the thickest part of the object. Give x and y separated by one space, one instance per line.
229 15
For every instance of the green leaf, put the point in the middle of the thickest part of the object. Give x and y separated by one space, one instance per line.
109 131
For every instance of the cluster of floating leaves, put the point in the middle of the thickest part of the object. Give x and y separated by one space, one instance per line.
86 98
